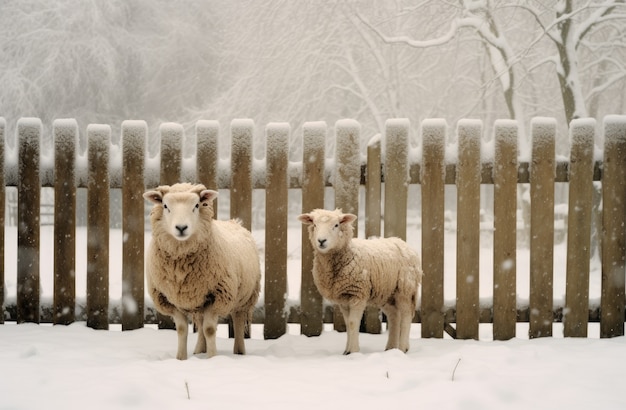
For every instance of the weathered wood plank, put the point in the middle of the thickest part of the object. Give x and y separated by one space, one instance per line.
172 135
613 221
576 316
505 230
371 322
133 224
468 229
347 180
2 208
207 155
276 212
28 209
65 134
542 173
396 177
99 140
242 132
313 154
433 180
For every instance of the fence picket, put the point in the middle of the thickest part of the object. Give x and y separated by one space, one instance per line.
347 178
65 137
28 236
433 180
170 173
576 309
396 177
276 207
133 149
613 222
207 155
99 139
505 230
313 182
241 171
542 175
468 229
2 207
372 323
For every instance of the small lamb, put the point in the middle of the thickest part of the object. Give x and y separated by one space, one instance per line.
199 267
353 273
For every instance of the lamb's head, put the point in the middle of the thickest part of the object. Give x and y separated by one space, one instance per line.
328 230
180 209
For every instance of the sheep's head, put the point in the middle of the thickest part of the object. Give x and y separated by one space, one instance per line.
179 208
328 230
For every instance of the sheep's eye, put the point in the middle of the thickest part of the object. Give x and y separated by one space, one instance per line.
197 206
164 206
336 225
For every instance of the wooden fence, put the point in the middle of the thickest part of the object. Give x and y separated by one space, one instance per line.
345 173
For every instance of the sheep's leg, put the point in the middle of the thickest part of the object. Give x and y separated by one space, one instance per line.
352 316
393 327
201 343
182 328
239 325
209 328
405 330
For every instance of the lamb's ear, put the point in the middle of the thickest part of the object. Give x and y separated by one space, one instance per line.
347 218
153 196
306 219
207 196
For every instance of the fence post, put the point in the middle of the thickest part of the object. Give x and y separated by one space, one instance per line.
133 224
576 309
65 134
373 217
2 210
99 141
613 221
170 173
433 180
313 155
396 176
542 175
468 174
505 230
207 155
276 210
28 236
347 180
242 132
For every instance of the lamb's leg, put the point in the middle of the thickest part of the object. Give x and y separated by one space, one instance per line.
201 343
405 329
239 325
182 328
393 327
352 316
209 327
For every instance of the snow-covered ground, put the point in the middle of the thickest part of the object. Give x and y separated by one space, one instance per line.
47 366
77 367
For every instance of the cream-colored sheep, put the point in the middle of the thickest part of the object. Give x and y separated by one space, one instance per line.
200 267
353 273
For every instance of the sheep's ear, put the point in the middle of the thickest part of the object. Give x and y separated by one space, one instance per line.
208 195
347 218
306 219
153 196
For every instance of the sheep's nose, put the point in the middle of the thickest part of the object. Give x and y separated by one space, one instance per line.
181 229
321 242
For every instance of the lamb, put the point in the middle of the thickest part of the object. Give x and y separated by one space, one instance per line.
353 273
198 267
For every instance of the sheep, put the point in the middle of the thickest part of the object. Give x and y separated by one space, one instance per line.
198 267
353 273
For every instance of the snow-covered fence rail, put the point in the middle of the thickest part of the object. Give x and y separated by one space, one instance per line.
128 167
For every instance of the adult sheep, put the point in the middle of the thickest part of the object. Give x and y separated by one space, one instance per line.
200 267
353 273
